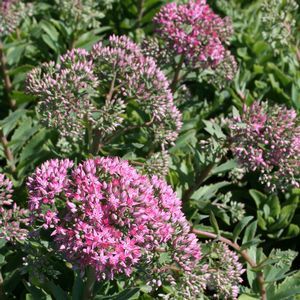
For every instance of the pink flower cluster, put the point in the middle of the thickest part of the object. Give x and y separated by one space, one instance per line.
11 14
224 277
105 215
267 139
196 32
13 220
96 87
63 91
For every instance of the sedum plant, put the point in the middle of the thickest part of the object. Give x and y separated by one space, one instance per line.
12 12
200 38
107 216
108 220
105 94
94 222
266 139
13 220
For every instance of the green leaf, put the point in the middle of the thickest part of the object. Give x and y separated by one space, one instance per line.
250 232
35 292
240 226
188 137
2 243
50 30
14 54
57 292
274 205
260 47
21 97
285 218
2 259
208 191
49 42
78 287
10 122
283 78
225 167
22 134
33 147
214 129
124 295
289 287
258 197
214 223
292 231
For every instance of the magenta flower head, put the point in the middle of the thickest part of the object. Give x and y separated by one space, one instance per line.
13 220
194 31
105 215
267 139
97 92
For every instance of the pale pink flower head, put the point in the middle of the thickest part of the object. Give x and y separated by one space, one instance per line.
266 139
226 272
106 215
13 219
12 12
94 89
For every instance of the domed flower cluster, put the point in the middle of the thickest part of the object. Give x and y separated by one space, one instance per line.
196 32
105 215
224 274
219 274
11 13
97 91
267 139
13 220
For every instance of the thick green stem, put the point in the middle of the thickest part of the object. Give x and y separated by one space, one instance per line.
89 284
89 132
176 77
111 89
96 144
140 13
7 152
6 79
243 253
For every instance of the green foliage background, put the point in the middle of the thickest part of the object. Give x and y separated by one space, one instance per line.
212 200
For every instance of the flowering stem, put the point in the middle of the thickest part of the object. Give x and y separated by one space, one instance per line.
96 145
89 133
111 90
243 253
127 129
176 77
8 154
6 79
198 182
140 12
89 285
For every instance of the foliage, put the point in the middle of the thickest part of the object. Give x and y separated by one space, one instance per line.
82 79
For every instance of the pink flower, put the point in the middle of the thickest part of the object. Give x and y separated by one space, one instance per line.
196 32
70 92
267 139
13 219
108 216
